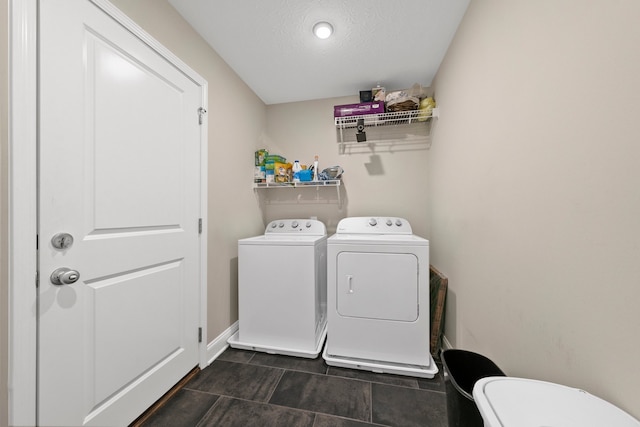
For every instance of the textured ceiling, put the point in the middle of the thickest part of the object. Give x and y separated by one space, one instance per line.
270 45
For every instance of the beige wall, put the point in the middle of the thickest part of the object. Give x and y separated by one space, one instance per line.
379 179
534 195
4 280
237 120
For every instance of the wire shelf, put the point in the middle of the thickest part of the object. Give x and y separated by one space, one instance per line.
302 184
385 119
395 127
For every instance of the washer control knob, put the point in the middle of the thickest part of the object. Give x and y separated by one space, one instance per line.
281 224
389 223
294 224
308 224
373 222
398 222
274 225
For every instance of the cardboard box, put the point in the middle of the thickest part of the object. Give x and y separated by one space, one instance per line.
358 109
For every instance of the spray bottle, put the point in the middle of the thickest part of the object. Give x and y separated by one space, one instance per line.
296 171
315 168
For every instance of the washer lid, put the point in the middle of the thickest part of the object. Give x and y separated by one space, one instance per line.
283 240
378 239
519 402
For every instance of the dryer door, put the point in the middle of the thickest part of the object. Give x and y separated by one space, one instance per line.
377 286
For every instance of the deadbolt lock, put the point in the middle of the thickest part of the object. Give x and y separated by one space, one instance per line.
62 241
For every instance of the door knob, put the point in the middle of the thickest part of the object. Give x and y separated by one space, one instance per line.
64 276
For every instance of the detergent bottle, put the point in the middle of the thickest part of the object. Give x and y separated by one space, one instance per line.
296 171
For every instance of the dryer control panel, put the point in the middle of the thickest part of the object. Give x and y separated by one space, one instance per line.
374 225
305 226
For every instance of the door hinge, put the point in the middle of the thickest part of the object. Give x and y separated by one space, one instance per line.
199 334
201 113
199 225
37 242
37 279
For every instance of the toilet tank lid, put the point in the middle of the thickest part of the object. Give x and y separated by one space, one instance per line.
521 402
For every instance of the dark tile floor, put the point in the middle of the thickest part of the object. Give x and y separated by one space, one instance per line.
246 388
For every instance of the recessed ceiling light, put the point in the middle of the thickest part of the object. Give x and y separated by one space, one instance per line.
322 30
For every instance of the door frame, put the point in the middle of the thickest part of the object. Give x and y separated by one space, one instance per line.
23 206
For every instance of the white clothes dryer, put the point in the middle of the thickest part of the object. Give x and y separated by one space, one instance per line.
282 282
378 298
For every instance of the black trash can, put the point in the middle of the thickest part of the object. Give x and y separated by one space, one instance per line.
462 369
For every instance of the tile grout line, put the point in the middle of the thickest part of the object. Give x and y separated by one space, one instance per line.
273 390
371 402
204 416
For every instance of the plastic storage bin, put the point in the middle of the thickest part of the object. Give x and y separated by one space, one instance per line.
462 369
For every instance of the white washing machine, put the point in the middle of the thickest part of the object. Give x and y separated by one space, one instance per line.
378 298
282 296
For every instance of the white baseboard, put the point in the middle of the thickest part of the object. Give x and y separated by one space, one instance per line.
219 344
446 345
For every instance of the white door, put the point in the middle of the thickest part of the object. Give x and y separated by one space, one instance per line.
119 153
377 286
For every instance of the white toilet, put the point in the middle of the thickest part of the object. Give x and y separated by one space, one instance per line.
519 402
